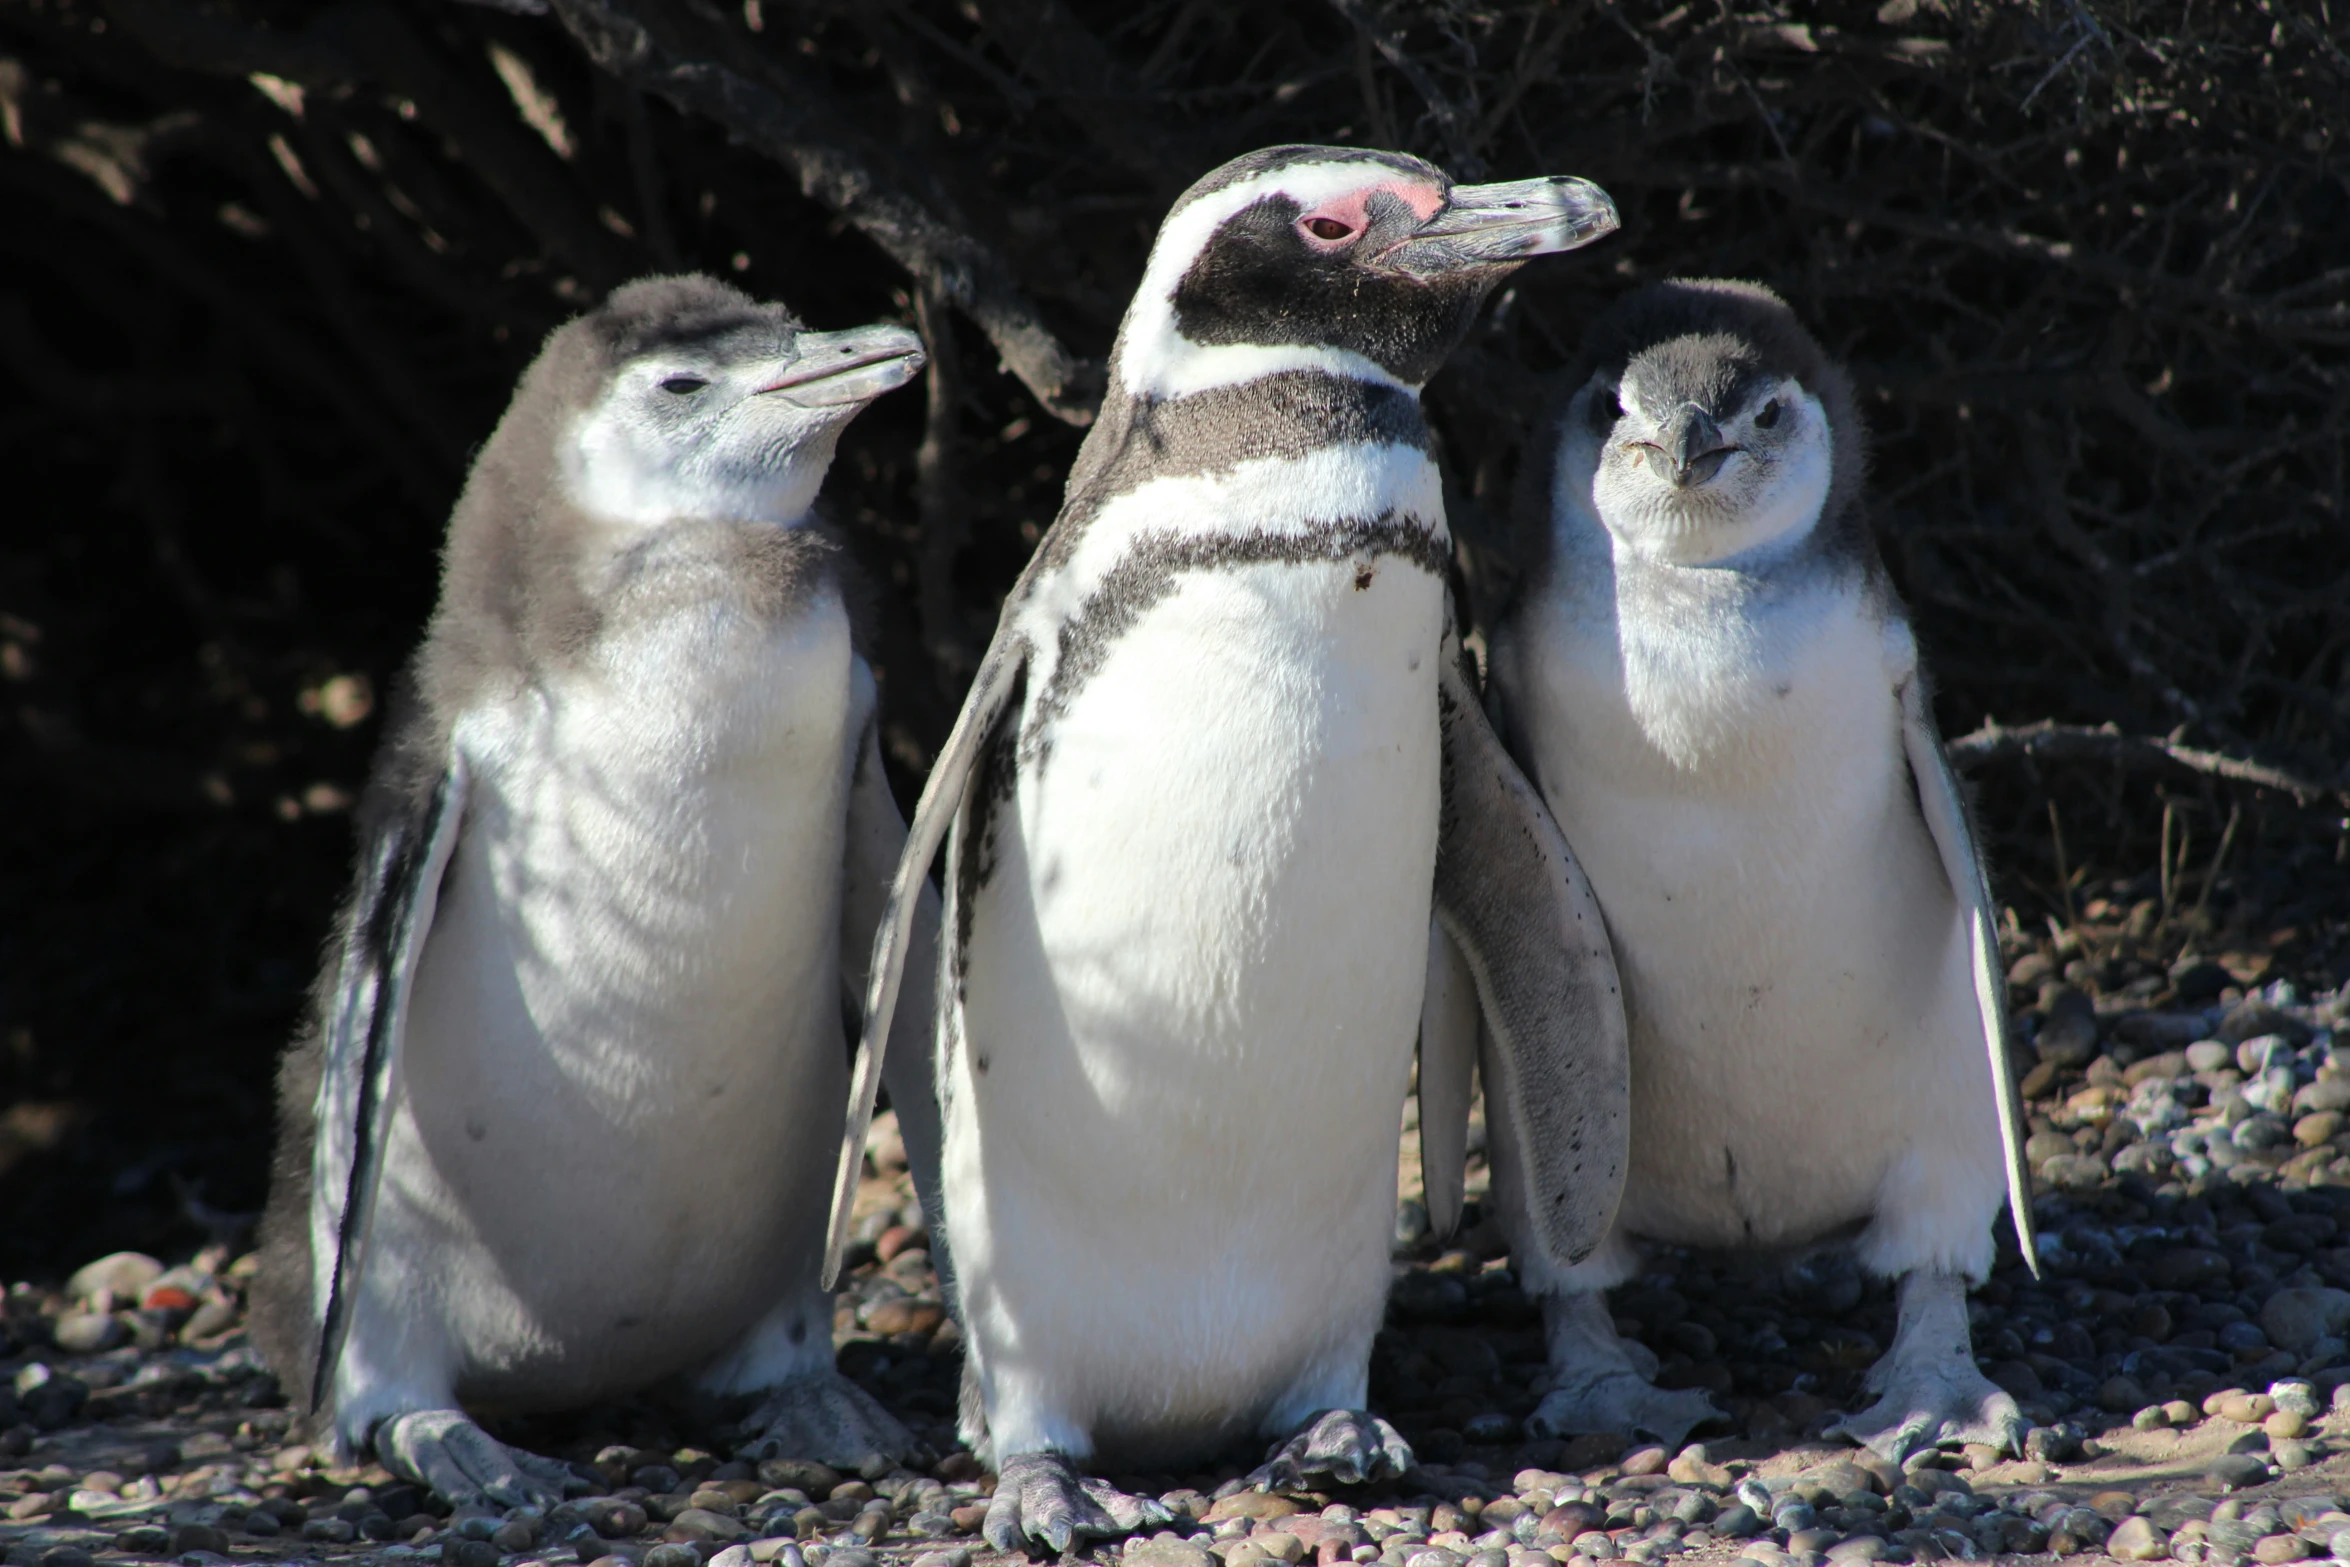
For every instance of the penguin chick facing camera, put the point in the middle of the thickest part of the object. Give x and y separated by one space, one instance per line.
561 1125
1218 767
1714 683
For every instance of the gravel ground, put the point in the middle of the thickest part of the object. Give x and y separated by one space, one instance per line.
2182 1361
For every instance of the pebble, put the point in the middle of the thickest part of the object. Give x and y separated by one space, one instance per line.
90 1333
198 1537
2235 1471
2295 1319
1252 1504
125 1275
2137 1540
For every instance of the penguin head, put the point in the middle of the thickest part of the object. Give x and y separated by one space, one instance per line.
1708 423
1365 264
682 397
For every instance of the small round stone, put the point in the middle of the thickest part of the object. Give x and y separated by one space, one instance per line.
89 1332
1736 1522
2137 1540
670 1555
480 1553
2234 1471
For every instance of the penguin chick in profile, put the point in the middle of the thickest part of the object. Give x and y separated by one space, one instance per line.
563 1121
1713 682
1216 766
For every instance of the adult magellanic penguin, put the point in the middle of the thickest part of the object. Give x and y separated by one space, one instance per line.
1715 685
1217 758
563 1121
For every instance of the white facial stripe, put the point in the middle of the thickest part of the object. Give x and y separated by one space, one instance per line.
1155 360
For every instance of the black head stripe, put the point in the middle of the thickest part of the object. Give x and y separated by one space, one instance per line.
1257 281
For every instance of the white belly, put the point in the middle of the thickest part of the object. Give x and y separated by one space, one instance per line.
1192 986
625 1065
1805 1051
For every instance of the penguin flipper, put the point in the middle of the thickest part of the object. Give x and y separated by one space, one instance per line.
1946 818
1448 1057
992 689
1512 898
875 842
400 867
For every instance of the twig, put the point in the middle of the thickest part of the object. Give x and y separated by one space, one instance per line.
1451 125
2048 741
946 524
1092 86
364 42
835 169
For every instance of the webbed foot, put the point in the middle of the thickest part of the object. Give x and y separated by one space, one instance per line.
1345 1446
459 1461
1599 1382
1040 1497
1931 1394
825 1417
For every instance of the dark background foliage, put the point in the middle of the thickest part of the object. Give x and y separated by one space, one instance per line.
268 270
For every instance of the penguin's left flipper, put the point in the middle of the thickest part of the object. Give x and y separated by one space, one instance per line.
826 1417
1448 1060
1518 907
1946 819
1341 1446
404 854
463 1464
993 689
1041 1497
875 843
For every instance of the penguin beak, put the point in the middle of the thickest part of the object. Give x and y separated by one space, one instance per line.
832 369
1692 447
1502 225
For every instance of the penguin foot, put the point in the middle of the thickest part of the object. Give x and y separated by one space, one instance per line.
1041 1498
1932 1393
825 1417
1347 1446
1936 1408
462 1463
1620 1400
1599 1380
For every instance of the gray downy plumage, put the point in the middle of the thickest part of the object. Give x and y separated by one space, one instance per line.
560 1123
1219 769
1710 676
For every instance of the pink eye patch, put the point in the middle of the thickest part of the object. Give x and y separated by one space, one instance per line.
1339 220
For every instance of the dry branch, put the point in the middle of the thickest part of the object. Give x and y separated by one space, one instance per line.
2048 741
833 167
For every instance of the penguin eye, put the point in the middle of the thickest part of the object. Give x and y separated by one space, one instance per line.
1328 229
1767 415
683 385
1606 409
